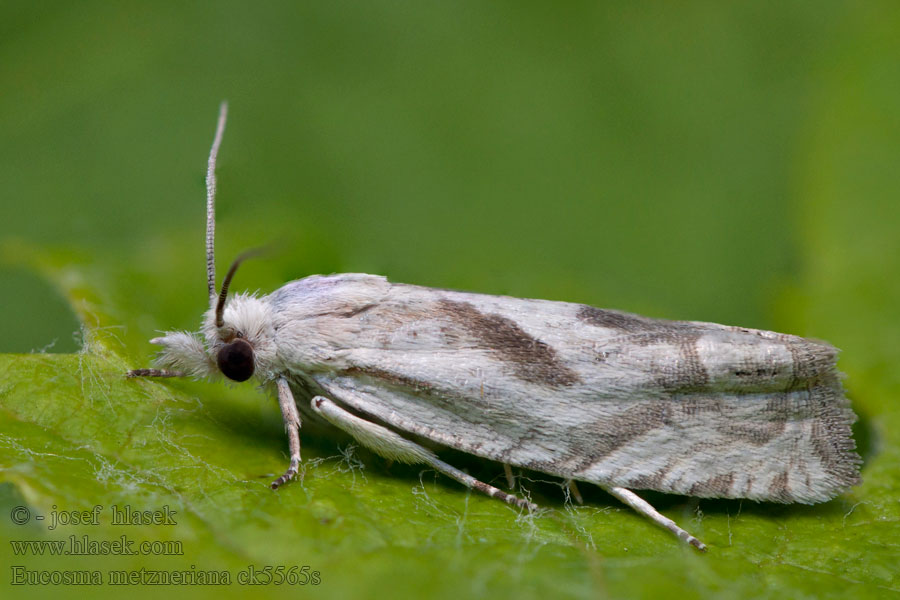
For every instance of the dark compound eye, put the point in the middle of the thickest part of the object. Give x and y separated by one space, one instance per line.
235 360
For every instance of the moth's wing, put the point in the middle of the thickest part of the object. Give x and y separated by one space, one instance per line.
707 447
595 395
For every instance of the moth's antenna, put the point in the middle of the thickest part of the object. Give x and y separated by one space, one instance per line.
220 305
211 210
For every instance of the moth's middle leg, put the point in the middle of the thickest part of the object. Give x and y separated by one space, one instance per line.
393 446
510 478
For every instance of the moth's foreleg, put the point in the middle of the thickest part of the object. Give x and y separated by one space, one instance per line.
292 427
155 373
395 447
643 507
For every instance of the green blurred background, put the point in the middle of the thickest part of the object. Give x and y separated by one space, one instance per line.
728 162
647 158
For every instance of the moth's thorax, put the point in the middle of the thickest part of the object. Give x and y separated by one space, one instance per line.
317 320
247 317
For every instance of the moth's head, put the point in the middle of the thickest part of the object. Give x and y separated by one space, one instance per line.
239 338
238 331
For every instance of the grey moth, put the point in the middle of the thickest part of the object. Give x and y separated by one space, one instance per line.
586 394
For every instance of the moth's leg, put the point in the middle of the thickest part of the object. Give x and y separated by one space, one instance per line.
469 481
393 446
510 478
643 507
573 490
292 426
154 373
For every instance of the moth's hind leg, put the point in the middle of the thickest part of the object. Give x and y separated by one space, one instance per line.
644 507
392 446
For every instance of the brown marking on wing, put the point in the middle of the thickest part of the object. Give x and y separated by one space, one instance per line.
779 407
612 433
695 405
531 359
714 487
835 447
356 311
446 398
624 322
757 433
778 489
752 370
813 362
391 378
649 482
687 372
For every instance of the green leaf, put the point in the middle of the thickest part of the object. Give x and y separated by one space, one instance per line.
528 153
76 433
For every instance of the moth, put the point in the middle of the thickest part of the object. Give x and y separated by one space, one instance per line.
586 394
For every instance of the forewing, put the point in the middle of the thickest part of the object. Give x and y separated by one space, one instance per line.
600 396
